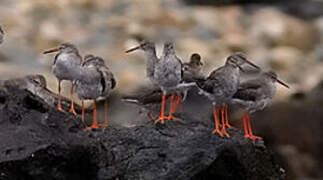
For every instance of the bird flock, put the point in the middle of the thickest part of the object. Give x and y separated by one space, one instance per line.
92 79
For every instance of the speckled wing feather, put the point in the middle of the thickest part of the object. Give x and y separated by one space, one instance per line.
248 91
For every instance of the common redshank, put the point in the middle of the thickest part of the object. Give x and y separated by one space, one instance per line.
96 80
254 95
220 86
66 66
150 53
192 71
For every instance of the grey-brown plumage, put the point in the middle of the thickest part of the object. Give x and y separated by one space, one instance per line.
67 61
255 95
66 66
150 53
192 71
221 85
1 35
96 80
169 70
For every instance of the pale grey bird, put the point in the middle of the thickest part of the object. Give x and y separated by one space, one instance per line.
221 85
66 66
1 35
96 80
150 53
254 95
168 74
165 73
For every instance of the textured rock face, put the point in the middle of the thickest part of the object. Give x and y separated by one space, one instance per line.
38 142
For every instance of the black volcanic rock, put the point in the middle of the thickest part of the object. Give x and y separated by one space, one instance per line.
39 142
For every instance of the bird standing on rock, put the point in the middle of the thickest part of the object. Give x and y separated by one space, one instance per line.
165 73
168 75
220 86
66 67
192 71
255 95
96 80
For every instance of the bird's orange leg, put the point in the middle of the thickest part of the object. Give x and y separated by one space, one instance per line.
245 125
178 103
162 116
95 122
59 105
216 121
83 110
251 136
72 109
172 108
105 124
227 116
224 131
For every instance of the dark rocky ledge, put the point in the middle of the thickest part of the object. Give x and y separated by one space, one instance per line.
38 142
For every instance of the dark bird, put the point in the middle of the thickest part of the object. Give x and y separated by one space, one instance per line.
192 71
96 81
220 86
254 95
66 66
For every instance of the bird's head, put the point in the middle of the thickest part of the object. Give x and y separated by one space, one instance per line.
274 78
238 59
37 80
168 48
196 60
92 60
144 45
64 48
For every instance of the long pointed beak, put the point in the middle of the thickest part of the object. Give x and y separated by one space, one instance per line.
241 69
251 64
282 83
133 49
51 51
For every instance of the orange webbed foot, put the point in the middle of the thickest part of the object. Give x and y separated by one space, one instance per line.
72 110
217 131
94 126
161 119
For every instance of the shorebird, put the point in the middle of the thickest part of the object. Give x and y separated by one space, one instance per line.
96 80
1 35
165 73
192 71
168 75
66 67
152 59
254 95
220 86
32 83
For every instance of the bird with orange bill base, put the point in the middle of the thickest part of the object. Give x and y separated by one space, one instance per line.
254 95
220 86
95 81
66 67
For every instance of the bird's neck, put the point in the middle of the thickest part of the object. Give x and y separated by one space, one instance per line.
151 55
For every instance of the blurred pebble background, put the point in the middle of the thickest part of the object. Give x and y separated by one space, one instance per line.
286 36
